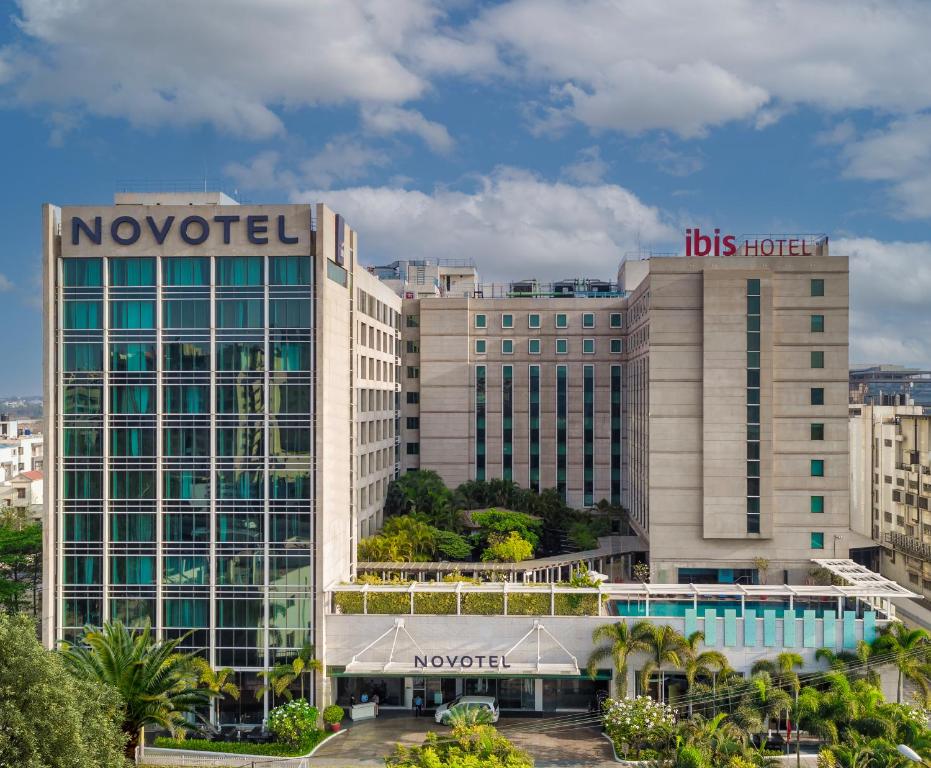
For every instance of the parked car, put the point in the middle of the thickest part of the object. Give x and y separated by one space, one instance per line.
488 703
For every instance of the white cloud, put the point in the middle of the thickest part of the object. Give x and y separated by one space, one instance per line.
588 168
513 224
889 287
232 63
386 120
5 283
634 65
668 160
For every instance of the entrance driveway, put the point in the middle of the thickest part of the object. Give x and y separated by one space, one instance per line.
556 742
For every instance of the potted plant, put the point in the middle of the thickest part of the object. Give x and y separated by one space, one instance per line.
333 716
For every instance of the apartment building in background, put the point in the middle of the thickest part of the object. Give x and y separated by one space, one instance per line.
220 391
708 396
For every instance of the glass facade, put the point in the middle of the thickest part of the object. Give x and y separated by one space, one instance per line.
588 435
481 383
753 406
616 405
507 422
186 494
562 427
534 425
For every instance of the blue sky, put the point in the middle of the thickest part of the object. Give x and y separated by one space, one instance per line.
537 137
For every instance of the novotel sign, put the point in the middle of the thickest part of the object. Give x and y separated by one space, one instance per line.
718 244
466 661
259 229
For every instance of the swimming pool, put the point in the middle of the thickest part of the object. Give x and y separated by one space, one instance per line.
677 608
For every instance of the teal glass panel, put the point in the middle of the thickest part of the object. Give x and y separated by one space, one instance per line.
691 621
711 627
187 398
290 355
82 273
83 484
132 399
850 629
186 441
132 527
82 569
240 399
186 313
830 630
869 626
132 441
83 315
80 611
132 314
289 441
132 484
730 628
750 628
336 273
83 357
289 270
133 612
186 569
248 527
187 527
288 570
240 569
239 270
293 527
788 628
240 356
83 527
769 629
809 638
187 612
235 484
240 442
289 313
186 484
132 272
132 569
186 270
82 442
187 356
132 357
289 485
240 313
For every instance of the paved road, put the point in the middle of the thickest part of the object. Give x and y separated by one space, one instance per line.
553 743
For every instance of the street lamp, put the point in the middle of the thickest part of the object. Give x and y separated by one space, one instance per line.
836 539
910 754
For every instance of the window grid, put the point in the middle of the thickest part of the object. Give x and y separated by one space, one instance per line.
753 405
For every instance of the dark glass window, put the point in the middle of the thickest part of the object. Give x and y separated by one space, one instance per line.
187 356
186 270
132 399
132 569
283 398
132 272
817 504
82 273
817 359
83 315
186 441
817 467
817 323
83 442
187 398
290 355
289 441
240 441
131 484
132 314
480 406
82 569
289 313
240 398
186 313
240 313
289 485
132 357
817 395
82 400
289 270
135 527
83 357
238 484
241 356
83 484
187 484
817 540
239 270
817 287
83 527
817 431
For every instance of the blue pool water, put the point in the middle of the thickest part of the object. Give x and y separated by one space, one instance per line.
677 608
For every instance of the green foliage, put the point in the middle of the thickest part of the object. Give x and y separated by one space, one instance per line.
280 677
333 714
618 642
506 521
636 724
293 722
408 539
243 747
480 746
451 546
48 718
905 647
423 491
510 548
158 684
20 563
467 717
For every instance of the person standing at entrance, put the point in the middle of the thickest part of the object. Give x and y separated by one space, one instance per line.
375 702
418 706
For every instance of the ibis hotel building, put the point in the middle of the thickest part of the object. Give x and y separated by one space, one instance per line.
221 417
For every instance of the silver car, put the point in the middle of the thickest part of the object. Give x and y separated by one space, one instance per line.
488 703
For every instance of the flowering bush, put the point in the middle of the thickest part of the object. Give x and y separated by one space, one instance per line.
293 722
633 724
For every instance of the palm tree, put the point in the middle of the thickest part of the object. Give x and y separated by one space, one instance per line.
766 698
467 717
158 684
909 651
217 681
664 646
717 735
279 678
620 640
702 664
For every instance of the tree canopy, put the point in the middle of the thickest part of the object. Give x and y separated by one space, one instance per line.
20 563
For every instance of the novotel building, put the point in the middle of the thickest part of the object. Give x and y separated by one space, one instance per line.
229 394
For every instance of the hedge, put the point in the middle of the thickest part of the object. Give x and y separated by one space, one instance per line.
473 603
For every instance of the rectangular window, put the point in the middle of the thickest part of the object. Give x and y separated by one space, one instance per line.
132 356
132 399
817 540
132 272
413 422
817 467
507 422
533 346
412 347
562 428
240 356
413 398
588 320
480 321
480 345
617 346
289 270
534 426
817 287
562 346
615 319
588 346
82 273
533 320
413 372
817 431
817 504
289 313
239 270
507 346
588 435
413 449
186 271
480 414
186 313
82 443
186 441
412 321
507 321
132 442
817 395
290 355
817 359
187 398
187 356
616 391
83 400
83 315
83 357
753 407
240 313
562 320
817 323
132 314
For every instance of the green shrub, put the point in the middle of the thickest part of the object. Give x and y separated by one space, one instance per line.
333 714
291 723
243 747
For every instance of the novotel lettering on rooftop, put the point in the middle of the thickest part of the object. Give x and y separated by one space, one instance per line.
467 661
193 230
